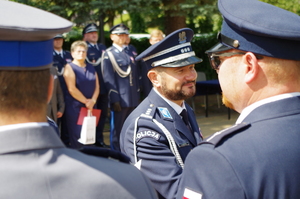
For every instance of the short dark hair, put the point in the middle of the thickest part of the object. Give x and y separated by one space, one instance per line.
24 90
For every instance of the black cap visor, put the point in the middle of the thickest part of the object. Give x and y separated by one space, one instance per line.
183 62
219 47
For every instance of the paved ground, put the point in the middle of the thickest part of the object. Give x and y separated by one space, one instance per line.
217 116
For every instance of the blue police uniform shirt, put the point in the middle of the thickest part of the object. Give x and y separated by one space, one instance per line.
59 62
125 90
93 57
256 158
154 156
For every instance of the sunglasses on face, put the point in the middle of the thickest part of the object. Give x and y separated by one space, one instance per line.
215 62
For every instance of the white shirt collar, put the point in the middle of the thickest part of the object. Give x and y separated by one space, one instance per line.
246 111
118 47
22 125
59 52
175 106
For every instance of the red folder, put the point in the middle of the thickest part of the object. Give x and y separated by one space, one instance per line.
83 113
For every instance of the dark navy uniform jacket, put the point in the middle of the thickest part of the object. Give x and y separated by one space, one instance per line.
258 158
94 54
124 90
153 150
59 63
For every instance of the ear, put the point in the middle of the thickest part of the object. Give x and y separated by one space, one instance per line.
50 88
252 67
154 77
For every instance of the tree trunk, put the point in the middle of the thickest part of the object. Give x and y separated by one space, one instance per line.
174 19
173 23
101 28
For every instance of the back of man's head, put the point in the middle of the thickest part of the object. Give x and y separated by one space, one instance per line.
24 65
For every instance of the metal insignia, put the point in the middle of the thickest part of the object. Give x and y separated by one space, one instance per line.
165 112
182 37
236 43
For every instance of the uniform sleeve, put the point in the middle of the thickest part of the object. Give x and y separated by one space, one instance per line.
60 98
156 159
108 74
208 175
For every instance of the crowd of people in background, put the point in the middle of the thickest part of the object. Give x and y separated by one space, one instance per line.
157 149
120 92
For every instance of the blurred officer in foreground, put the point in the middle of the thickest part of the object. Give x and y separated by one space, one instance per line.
162 130
34 162
121 77
60 58
94 54
257 60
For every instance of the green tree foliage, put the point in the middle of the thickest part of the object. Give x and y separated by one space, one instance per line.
290 5
200 15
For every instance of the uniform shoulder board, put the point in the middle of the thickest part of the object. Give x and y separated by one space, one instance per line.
105 153
218 136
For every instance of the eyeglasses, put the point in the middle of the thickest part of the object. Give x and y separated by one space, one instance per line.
215 62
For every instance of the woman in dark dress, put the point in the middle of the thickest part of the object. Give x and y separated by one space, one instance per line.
83 89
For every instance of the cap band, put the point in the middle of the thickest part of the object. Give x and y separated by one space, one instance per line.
26 54
167 51
172 59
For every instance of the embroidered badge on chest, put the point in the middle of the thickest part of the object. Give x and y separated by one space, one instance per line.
165 112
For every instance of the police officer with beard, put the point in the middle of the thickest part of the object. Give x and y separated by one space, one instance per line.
162 130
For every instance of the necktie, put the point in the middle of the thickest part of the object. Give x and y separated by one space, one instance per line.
95 46
125 49
185 118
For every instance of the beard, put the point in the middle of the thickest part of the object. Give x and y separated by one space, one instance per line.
178 94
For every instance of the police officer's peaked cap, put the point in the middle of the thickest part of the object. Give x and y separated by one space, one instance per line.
92 27
58 36
26 36
174 50
258 27
119 29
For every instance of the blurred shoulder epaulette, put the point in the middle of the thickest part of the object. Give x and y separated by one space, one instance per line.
218 136
109 48
105 153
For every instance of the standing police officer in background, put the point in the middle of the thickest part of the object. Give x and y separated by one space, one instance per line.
162 130
60 58
95 50
258 64
155 36
121 77
34 162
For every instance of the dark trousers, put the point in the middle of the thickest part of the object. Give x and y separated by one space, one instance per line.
64 134
116 126
102 103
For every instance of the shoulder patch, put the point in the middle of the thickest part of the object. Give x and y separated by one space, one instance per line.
165 112
147 133
218 136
